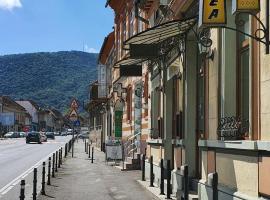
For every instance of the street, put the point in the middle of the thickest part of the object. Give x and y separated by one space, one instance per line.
17 159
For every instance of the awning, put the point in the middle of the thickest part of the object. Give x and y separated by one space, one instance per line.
161 32
128 61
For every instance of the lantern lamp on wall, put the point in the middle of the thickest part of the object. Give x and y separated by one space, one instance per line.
251 6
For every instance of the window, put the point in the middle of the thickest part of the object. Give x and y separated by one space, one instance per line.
177 122
131 22
146 94
243 72
129 104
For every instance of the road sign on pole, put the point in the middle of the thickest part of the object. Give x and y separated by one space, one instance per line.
77 123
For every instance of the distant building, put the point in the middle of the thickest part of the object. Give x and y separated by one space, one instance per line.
12 115
32 108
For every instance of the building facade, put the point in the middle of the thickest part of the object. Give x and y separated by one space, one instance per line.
201 99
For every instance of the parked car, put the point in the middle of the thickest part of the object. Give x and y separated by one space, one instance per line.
22 134
57 133
43 137
50 135
33 137
84 135
12 135
63 134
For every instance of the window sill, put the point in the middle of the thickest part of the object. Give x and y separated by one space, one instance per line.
236 144
178 142
159 142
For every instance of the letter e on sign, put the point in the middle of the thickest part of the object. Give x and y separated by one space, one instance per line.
212 13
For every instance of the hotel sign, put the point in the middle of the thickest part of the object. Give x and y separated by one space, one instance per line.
212 13
246 6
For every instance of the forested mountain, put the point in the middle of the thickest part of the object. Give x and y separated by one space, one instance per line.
50 79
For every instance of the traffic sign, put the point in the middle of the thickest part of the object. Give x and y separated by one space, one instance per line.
73 115
74 105
77 123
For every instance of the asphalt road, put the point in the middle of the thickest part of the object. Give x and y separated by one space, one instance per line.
17 157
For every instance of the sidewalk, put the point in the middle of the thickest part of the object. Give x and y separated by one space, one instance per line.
79 179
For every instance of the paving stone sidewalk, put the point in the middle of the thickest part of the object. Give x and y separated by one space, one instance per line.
78 179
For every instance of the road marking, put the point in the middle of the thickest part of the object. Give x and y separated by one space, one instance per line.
17 180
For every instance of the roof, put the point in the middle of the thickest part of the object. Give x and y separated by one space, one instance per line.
161 32
7 101
106 48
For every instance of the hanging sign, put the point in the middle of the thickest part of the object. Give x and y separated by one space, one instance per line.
212 13
246 6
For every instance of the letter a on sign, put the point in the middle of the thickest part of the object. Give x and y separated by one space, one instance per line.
212 13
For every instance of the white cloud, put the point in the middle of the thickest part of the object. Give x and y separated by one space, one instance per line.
89 49
10 4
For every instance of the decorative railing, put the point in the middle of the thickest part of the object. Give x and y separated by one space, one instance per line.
233 128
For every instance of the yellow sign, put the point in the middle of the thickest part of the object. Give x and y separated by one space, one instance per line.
246 5
212 13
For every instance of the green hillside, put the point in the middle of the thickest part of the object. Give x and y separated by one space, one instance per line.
50 79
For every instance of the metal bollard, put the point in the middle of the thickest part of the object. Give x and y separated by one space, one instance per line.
92 159
22 193
59 158
214 177
162 177
53 164
143 167
49 172
56 161
65 150
184 173
85 146
169 190
35 184
43 179
151 172
89 152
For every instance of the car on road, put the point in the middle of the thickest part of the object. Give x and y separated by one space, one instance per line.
63 134
12 135
22 134
50 135
84 135
43 137
34 137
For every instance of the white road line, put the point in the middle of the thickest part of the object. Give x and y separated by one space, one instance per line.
17 180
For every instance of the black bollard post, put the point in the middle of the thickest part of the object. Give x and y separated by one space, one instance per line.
56 161
35 184
22 193
85 146
65 150
49 172
161 177
89 152
143 167
43 179
61 155
92 159
184 171
53 164
151 172
215 185
168 179
59 158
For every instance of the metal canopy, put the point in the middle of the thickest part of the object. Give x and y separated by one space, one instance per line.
161 32
128 61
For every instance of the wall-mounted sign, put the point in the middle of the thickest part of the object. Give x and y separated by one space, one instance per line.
212 13
246 6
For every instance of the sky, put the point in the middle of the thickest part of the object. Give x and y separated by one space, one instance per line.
53 25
